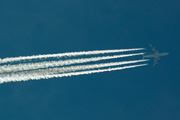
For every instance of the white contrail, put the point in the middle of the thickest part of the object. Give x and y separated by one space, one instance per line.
29 66
13 59
87 72
23 76
76 68
14 77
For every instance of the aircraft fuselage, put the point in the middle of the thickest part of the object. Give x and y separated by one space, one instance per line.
156 55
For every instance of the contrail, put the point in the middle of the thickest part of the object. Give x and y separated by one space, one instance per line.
88 72
44 68
13 59
76 68
30 66
37 76
24 76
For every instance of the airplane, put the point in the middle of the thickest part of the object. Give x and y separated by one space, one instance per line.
156 55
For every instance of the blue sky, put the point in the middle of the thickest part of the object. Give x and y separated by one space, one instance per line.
43 27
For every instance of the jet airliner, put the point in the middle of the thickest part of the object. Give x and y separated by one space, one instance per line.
156 55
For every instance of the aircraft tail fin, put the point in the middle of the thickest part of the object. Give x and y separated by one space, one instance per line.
143 55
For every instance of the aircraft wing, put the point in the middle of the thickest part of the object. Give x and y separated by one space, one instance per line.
153 49
155 61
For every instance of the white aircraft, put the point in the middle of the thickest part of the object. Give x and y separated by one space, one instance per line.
156 55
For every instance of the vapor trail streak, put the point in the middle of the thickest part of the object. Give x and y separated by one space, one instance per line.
46 76
23 76
30 66
78 67
87 72
13 59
